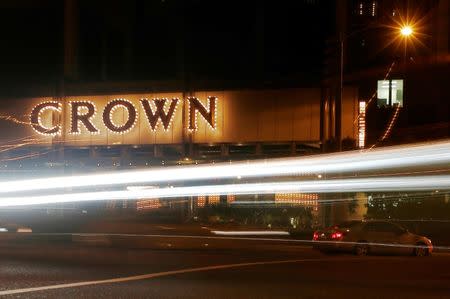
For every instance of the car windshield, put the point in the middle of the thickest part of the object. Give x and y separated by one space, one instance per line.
222 149
349 224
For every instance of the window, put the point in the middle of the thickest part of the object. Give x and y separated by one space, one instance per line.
383 227
387 227
390 93
349 224
377 226
367 8
371 226
374 8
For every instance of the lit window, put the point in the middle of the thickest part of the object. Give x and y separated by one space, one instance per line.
213 199
374 8
201 201
390 93
361 10
148 204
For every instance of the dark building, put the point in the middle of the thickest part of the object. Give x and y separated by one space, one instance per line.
404 80
247 77
244 78
82 49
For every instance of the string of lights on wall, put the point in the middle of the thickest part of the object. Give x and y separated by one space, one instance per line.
361 117
14 120
391 123
374 94
362 124
390 126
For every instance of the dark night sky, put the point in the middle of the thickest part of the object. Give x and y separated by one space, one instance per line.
160 40
31 41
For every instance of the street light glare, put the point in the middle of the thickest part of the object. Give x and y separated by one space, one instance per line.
406 31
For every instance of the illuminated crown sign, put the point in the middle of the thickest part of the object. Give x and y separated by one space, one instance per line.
158 110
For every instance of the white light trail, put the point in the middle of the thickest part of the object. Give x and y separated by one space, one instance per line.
250 233
344 162
386 184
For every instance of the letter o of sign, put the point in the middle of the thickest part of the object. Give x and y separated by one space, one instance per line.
113 105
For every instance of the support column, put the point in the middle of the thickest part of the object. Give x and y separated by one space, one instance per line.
258 149
71 17
224 150
157 151
293 148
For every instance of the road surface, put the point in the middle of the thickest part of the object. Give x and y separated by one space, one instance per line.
276 271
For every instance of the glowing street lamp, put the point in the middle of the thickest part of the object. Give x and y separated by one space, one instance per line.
406 31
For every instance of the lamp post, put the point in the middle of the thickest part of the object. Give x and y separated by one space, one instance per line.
338 106
406 31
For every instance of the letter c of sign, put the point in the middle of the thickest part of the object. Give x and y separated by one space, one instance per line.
35 118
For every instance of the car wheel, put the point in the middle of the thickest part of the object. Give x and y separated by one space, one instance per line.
420 250
361 249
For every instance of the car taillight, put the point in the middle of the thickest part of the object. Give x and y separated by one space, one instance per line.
315 236
336 235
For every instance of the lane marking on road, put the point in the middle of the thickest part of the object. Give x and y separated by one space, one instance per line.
251 233
153 275
299 243
307 241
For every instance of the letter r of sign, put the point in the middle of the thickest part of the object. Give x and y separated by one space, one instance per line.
85 118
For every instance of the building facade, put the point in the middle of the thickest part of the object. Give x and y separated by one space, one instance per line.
161 89
220 125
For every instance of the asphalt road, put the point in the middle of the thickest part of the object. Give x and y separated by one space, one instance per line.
277 271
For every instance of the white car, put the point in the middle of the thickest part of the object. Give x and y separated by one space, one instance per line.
371 237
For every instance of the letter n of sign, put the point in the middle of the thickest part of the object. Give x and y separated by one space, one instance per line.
152 117
208 114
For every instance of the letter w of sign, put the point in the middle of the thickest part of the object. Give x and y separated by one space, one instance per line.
159 113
